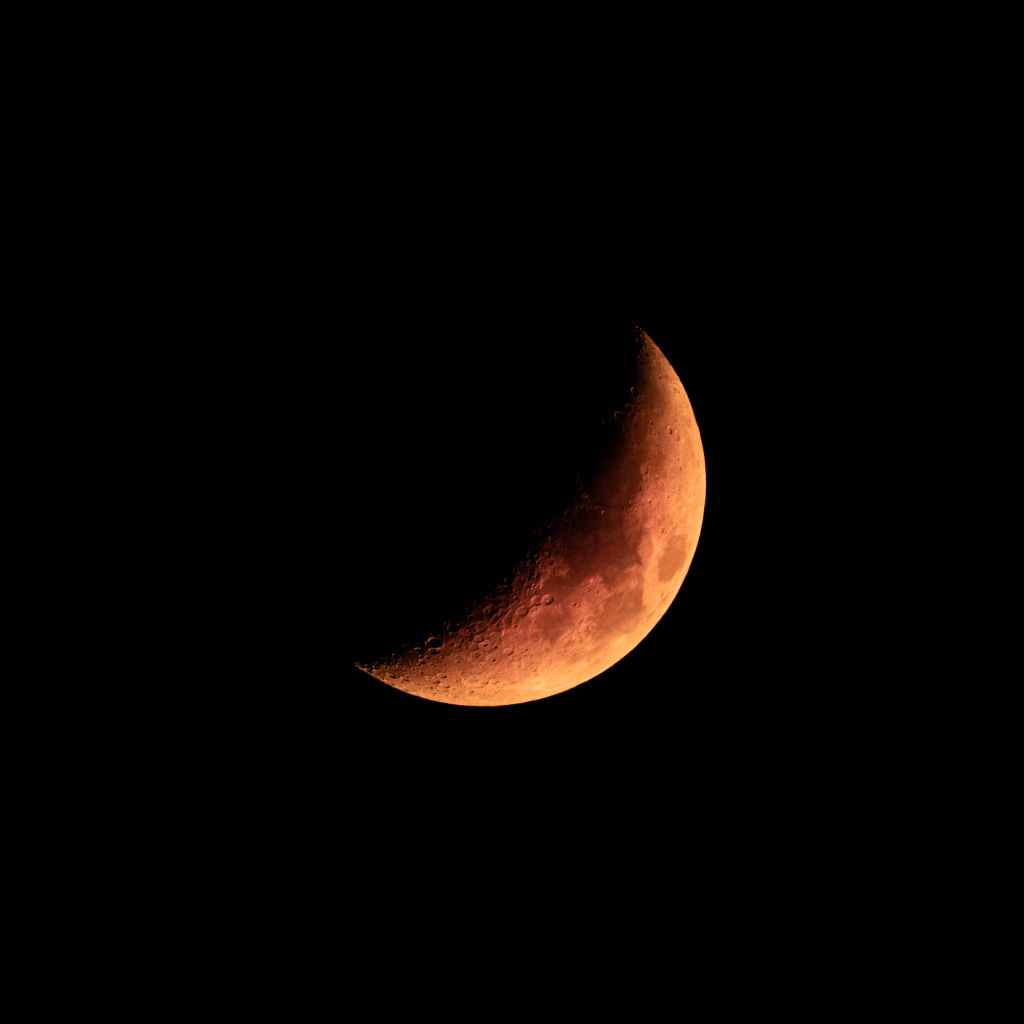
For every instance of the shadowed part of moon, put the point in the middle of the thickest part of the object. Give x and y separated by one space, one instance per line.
606 571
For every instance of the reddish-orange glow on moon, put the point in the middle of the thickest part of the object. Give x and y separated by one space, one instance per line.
607 572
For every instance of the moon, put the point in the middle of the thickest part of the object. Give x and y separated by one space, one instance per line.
601 576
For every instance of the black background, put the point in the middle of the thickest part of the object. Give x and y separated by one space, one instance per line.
337 294
377 363
401 435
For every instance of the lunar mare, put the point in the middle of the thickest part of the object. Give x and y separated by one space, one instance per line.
600 580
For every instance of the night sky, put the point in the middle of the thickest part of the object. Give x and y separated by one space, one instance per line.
403 409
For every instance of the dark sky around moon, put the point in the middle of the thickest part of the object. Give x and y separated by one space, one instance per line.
368 435
372 358
450 414
388 410
471 444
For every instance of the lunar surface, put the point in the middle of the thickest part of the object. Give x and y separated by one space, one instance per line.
599 579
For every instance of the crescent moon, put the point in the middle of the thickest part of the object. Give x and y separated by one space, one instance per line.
604 574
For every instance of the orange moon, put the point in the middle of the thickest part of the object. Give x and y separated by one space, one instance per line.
605 573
